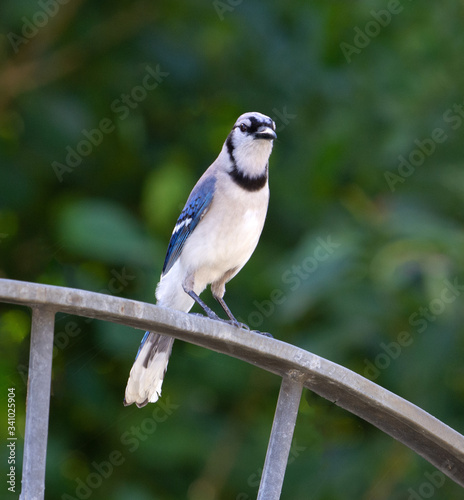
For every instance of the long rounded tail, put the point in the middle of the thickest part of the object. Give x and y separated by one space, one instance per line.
147 373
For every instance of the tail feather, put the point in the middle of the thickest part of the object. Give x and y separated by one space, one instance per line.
151 362
147 373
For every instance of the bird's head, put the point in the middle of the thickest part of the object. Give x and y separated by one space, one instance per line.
249 144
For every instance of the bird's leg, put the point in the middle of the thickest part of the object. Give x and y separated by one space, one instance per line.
232 318
218 289
234 321
210 313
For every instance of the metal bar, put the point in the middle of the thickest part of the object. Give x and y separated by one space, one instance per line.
38 404
441 445
281 438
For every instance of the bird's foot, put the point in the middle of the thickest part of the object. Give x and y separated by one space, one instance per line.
212 315
233 322
245 327
264 334
209 314
240 325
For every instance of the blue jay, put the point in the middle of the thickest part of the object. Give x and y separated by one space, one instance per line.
215 235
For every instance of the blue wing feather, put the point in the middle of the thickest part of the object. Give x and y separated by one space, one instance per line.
141 344
195 209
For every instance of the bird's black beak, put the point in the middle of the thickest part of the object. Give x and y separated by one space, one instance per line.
266 133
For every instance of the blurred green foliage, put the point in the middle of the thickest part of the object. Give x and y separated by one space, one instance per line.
368 100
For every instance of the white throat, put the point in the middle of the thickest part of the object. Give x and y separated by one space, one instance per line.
252 158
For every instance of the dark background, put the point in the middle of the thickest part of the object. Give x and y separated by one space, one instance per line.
363 239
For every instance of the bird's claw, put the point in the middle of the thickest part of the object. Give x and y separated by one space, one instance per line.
264 334
245 327
237 324
242 326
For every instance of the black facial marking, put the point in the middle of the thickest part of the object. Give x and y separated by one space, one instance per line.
255 124
230 148
248 183
245 182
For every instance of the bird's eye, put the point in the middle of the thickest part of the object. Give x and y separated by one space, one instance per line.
243 127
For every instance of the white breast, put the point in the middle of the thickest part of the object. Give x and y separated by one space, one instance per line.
227 236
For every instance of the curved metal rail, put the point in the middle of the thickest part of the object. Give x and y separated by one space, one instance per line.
429 437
